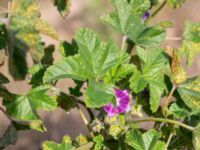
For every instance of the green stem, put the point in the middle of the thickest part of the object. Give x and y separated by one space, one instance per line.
168 141
9 8
157 10
85 120
124 38
166 121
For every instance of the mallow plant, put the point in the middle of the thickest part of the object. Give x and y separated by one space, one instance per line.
137 82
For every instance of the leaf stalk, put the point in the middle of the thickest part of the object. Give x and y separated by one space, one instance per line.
166 121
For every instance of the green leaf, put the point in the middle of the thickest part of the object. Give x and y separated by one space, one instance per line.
36 74
17 51
76 90
66 144
196 137
26 22
95 58
190 93
140 6
25 107
44 28
37 125
151 36
137 83
146 141
9 137
99 140
3 79
192 32
178 112
154 65
98 94
3 36
70 67
88 145
175 3
67 49
48 58
191 44
119 72
65 101
124 20
127 19
63 7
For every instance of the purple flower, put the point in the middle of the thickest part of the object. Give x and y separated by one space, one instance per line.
122 105
145 16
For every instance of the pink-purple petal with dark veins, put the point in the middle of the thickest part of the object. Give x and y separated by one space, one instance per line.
122 103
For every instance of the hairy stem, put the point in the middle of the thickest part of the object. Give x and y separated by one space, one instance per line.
168 100
166 121
124 38
168 141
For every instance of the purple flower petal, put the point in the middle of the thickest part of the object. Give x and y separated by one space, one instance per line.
110 109
123 103
145 16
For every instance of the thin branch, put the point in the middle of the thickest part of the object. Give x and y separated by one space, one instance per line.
166 121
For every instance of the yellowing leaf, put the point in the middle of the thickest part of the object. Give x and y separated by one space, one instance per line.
175 3
190 93
191 44
46 29
28 25
177 69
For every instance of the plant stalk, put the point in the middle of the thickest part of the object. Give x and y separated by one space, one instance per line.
166 121
85 120
9 8
168 100
124 38
157 10
168 141
174 38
